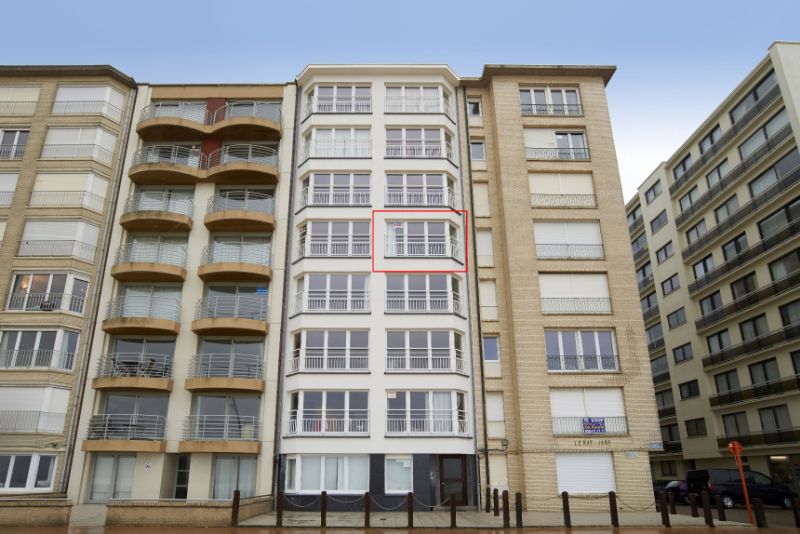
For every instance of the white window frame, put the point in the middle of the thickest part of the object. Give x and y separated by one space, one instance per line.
298 458
30 482
397 457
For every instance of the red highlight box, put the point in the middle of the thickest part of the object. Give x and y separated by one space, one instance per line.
465 216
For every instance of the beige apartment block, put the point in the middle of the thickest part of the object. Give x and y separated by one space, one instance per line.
565 398
62 135
714 233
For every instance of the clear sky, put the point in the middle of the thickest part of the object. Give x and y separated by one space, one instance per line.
676 59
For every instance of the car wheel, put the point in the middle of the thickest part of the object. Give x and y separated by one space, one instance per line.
727 501
786 503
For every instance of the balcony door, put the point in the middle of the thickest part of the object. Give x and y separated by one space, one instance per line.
112 477
453 479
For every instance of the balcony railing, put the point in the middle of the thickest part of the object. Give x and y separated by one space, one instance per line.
641 253
226 365
561 200
157 252
45 302
56 248
241 201
568 251
422 247
350 149
6 197
421 151
197 112
190 111
436 422
180 203
127 427
424 302
667 411
335 246
645 282
257 252
556 153
67 199
330 360
17 107
87 107
154 307
757 344
673 446
36 359
262 155
261 110
405 104
425 361
651 313
17 422
326 196
222 428
445 198
576 305
327 422
12 152
170 154
135 364
594 426
769 437
586 363
661 377
637 222
655 344
340 104
529 110
332 302
756 391
232 306
77 151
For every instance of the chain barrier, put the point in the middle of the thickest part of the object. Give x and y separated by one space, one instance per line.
385 509
309 505
345 501
633 508
426 505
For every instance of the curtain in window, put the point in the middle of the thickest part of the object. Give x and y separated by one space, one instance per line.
224 478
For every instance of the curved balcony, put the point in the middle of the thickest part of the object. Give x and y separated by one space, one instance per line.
140 371
225 371
221 433
125 433
163 121
154 315
56 248
243 164
235 315
150 262
240 211
247 120
236 261
158 212
173 164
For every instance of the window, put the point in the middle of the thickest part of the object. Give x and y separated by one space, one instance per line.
710 138
549 100
12 143
491 348
635 214
665 399
487 295
645 272
689 389
474 108
751 328
775 124
744 285
335 292
80 189
771 176
569 407
703 267
338 350
735 424
338 143
426 412
53 238
774 222
561 189
669 468
421 293
664 253
711 303
571 145
785 265
752 96
495 414
670 284
764 371
734 247
81 99
329 412
580 350
689 198
338 189
796 362
658 222
726 382
573 239
112 477
726 209
719 172
676 318
670 433
718 341
399 474
651 194
639 243
775 418
659 365
234 472
649 301
654 333
680 169
477 150
339 99
484 246
26 472
334 474
790 313
420 238
682 353
42 292
18 100
79 143
38 348
480 196
696 427
419 190
574 293
419 143
417 99
696 232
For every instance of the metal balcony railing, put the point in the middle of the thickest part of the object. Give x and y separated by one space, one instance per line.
666 411
17 422
6 197
330 359
87 107
56 248
243 200
769 437
171 202
422 247
261 110
170 154
651 313
756 391
17 107
222 428
157 252
594 363
226 365
135 364
562 200
568 251
36 359
257 252
232 306
645 282
67 199
439 422
190 111
637 222
786 333
322 422
340 104
425 361
551 109
655 344
556 153
423 302
439 197
45 302
262 155
582 426
333 196
661 377
154 307
349 149
77 151
576 305
127 427
333 246
421 151
331 302
12 151
405 104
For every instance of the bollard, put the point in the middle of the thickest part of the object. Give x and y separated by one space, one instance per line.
612 507
410 508
488 499
693 504
496 501
796 512
565 508
506 515
453 511
323 509
366 509
235 508
761 517
706 501
721 514
662 501
279 511
671 503
518 511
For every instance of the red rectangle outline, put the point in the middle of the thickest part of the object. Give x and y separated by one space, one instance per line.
464 213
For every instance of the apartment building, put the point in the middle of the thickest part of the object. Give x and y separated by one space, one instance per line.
565 400
62 135
714 238
180 401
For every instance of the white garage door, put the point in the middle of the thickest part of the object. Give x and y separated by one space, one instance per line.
585 472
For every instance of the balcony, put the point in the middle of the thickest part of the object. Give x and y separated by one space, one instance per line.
412 105
788 333
327 196
6 198
576 306
421 151
31 422
125 433
11 152
426 361
231 315
77 151
320 423
569 251
246 120
666 411
36 359
638 222
653 312
158 212
661 377
756 391
641 253
583 363
427 422
761 439
45 302
233 434
431 198
424 302
421 247
226 371
142 315
590 426
329 360
150 262
243 164
533 110
67 199
17 107
547 154
561 200
173 164
241 211
656 344
87 107
49 248
646 282
339 104
331 150
331 302
335 246
137 371
671 447
241 261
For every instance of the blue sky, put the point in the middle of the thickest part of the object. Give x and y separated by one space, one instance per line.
676 59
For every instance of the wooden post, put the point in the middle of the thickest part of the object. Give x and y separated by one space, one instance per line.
671 502
761 517
518 510
796 512
506 513
410 507
279 510
662 500
721 514
235 508
323 509
496 502
366 509
693 504
704 498
453 511
612 508
488 499
565 508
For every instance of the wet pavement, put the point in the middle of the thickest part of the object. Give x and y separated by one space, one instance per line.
246 530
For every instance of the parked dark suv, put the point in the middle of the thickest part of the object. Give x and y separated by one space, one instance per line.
726 482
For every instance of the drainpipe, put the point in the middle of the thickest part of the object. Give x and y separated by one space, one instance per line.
100 269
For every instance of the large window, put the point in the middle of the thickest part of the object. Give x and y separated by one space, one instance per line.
652 193
399 477
761 135
790 313
696 427
770 177
48 292
658 222
26 472
338 143
654 333
710 138
339 99
682 353
337 189
670 284
676 318
727 381
649 301
329 412
574 293
718 173
86 99
426 412
580 350
54 238
683 165
735 424
764 371
334 474
689 389
734 247
726 209
419 143
754 327
333 239
38 348
775 418
703 267
710 303
689 198
332 293
785 265
718 341
232 472
549 101
421 350
696 232
744 285
332 350
757 93
665 252
418 99
12 143
563 189
419 190
573 239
